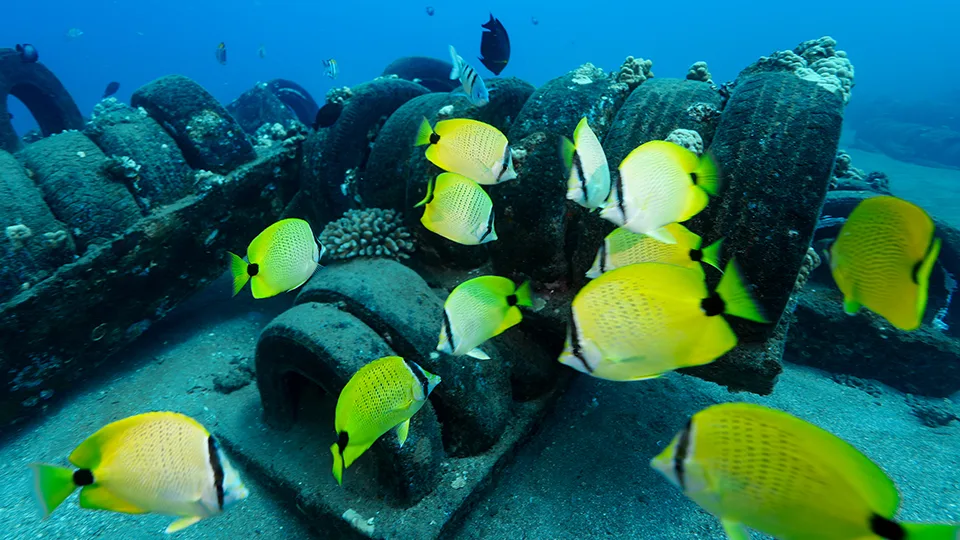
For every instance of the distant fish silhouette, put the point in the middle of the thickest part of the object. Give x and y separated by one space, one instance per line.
28 53
111 89
535 21
430 11
262 51
332 69
494 46
221 53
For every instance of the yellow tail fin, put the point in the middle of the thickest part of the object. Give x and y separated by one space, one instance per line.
708 174
932 531
424 133
337 463
238 269
711 254
567 150
524 295
737 299
51 485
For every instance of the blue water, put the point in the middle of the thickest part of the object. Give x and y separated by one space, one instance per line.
895 46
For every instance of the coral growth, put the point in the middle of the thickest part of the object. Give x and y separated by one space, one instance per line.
878 181
810 263
122 167
699 72
268 134
339 95
18 234
204 126
372 232
688 139
815 60
634 71
703 112
588 74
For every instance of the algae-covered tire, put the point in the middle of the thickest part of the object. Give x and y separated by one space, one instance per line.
350 139
209 137
164 176
35 243
473 401
315 209
657 107
259 106
775 145
397 173
319 344
541 234
41 92
296 98
70 172
432 73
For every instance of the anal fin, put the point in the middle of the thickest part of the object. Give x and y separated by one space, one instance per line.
735 530
96 497
402 431
850 306
182 524
478 354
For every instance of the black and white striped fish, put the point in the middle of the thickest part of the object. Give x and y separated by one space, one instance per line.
472 82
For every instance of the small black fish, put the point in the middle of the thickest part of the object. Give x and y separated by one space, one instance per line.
430 11
221 53
494 46
535 21
28 53
327 115
111 89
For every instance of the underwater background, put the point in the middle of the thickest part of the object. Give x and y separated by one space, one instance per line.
531 451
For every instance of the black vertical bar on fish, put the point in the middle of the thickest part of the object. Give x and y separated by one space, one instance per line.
683 447
214 450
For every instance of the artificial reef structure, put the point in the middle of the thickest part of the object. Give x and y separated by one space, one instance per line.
110 223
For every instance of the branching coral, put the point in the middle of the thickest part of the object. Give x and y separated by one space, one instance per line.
699 72
634 71
372 232
688 139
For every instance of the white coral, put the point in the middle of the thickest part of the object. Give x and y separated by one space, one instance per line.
687 138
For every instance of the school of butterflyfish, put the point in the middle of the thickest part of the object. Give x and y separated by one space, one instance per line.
646 311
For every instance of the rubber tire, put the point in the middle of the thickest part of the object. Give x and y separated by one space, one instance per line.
348 143
187 111
69 170
296 98
164 175
22 204
775 145
43 94
432 73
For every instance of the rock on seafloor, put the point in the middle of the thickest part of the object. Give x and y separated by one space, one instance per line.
35 243
209 137
317 346
70 171
473 401
542 234
397 172
350 139
156 171
41 92
775 145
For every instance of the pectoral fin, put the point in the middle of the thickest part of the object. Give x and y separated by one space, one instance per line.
402 430
182 524
735 530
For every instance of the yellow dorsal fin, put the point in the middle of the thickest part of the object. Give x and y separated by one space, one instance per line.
96 497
